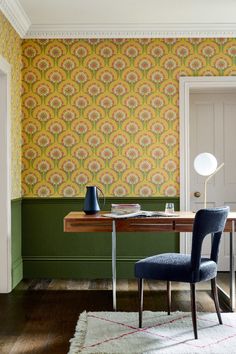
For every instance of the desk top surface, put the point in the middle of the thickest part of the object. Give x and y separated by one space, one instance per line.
183 215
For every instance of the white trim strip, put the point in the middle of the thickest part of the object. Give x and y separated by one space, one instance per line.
134 30
5 185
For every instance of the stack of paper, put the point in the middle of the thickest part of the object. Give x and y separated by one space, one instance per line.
121 209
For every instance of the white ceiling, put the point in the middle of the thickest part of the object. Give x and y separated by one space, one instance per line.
129 11
122 18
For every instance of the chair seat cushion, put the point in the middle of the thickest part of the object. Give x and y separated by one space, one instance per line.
174 267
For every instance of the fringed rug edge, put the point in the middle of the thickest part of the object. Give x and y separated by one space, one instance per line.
77 342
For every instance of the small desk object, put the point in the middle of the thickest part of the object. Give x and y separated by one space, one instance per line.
180 222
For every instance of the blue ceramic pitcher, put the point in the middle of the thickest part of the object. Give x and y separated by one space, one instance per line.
91 205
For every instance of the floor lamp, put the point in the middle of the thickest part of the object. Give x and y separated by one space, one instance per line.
205 164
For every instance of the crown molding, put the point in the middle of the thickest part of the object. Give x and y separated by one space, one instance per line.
133 30
16 15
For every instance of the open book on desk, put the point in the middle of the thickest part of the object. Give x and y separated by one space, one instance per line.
140 213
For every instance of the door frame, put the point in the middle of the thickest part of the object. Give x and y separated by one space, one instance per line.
186 85
5 185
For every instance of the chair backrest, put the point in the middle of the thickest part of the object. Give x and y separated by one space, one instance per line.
207 221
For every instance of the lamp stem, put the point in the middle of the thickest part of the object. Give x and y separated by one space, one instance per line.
206 181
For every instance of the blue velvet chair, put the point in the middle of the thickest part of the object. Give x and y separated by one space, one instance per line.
187 268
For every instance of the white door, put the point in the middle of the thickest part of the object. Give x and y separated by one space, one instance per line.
213 129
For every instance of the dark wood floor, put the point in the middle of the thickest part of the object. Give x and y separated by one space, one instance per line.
39 317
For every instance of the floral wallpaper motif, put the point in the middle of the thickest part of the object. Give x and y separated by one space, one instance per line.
105 112
10 49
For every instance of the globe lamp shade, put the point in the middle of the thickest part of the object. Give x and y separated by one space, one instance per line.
205 164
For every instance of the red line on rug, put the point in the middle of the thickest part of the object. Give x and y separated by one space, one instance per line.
219 341
108 340
107 320
206 320
138 329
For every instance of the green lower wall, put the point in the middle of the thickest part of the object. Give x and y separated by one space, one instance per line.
17 264
49 252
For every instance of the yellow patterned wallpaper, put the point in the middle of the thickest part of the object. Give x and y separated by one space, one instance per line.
10 49
105 112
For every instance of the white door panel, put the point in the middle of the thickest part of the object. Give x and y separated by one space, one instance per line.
213 129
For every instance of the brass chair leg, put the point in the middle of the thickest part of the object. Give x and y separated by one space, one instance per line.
193 309
216 299
169 296
140 295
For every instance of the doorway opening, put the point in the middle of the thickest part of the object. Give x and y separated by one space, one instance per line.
5 177
190 85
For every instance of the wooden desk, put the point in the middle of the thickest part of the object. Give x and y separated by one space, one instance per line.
79 222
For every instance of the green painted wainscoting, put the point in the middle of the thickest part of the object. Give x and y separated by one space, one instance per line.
17 264
49 252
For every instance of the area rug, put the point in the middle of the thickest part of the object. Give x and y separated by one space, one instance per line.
118 333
